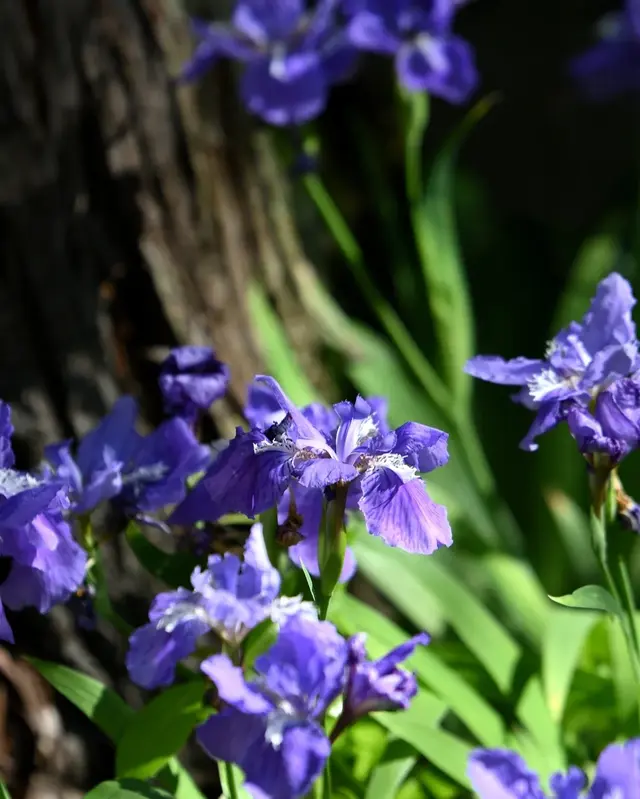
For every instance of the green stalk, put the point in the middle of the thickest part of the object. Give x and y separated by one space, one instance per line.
612 560
391 322
230 779
422 369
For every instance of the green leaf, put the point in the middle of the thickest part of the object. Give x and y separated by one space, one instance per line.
434 227
397 761
159 730
624 682
590 597
277 351
109 713
405 579
573 525
174 569
351 615
126 789
515 584
259 639
564 638
226 770
103 706
443 749
550 756
4 791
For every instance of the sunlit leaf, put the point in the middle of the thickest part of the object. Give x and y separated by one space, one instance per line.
159 730
590 597
564 638
396 763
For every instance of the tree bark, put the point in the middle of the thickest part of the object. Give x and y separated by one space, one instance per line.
134 214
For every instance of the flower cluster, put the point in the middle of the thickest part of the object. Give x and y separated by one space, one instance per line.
501 774
293 55
588 378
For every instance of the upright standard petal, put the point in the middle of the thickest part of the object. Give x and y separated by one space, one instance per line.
307 433
263 21
608 320
402 513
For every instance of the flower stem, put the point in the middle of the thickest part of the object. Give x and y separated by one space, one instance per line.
230 779
420 366
610 551
332 544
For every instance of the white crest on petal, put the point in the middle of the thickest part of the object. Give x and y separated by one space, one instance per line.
285 607
146 474
181 612
391 460
13 482
283 445
544 383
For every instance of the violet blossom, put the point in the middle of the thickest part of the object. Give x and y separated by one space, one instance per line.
379 472
612 66
229 598
291 56
580 368
271 725
501 774
428 56
42 565
114 462
191 380
377 685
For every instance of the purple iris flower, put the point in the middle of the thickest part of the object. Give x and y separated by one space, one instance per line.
418 34
582 361
306 504
40 563
113 461
501 774
612 66
271 726
292 56
229 597
612 427
380 472
191 380
377 685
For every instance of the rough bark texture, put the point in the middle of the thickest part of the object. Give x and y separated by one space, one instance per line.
133 215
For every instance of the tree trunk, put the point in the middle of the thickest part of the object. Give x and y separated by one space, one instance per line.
133 215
